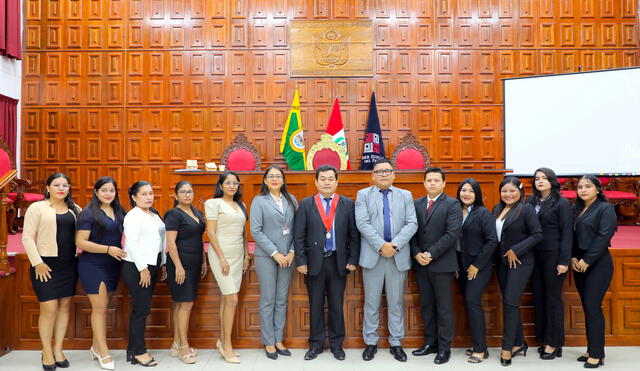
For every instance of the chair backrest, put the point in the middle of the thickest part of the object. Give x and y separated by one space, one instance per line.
7 162
241 155
409 154
326 152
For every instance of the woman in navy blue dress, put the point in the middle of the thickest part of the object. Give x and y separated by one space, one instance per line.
100 237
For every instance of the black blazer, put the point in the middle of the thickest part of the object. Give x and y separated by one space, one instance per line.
521 232
593 231
309 236
437 233
479 239
556 221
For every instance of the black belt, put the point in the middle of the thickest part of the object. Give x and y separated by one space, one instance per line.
327 254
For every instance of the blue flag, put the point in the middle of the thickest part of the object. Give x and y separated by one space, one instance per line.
373 145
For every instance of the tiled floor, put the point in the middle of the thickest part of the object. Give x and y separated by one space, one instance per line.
618 359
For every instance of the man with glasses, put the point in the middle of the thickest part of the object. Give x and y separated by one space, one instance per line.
327 246
386 219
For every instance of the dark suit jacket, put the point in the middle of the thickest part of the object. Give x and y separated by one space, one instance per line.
521 232
593 231
557 228
479 239
437 233
309 236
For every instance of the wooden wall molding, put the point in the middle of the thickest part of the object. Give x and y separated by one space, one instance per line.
133 88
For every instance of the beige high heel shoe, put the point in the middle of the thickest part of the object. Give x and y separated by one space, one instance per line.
219 347
174 350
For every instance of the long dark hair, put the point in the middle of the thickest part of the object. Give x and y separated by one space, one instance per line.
265 189
67 200
476 189
195 211
133 191
578 205
237 197
94 211
536 196
501 205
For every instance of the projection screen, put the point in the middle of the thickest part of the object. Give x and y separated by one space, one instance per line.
573 123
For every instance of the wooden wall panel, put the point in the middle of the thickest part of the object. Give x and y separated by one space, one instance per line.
621 308
149 83
133 88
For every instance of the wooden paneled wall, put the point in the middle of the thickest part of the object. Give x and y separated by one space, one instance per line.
133 88
620 307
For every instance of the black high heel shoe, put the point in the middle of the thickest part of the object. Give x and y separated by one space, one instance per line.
505 362
523 349
594 365
271 355
134 361
555 353
50 367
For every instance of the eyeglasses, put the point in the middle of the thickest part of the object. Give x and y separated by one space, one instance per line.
274 177
186 192
383 172
231 184
63 186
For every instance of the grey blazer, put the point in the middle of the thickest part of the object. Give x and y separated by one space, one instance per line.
267 222
370 223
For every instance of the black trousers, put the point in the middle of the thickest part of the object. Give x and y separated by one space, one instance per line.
512 282
592 285
436 307
546 285
140 303
327 283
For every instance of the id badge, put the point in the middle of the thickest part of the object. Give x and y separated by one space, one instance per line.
285 231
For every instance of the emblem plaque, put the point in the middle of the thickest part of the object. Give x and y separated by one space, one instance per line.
331 48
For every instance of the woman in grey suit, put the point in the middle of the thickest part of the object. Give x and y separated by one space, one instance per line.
272 213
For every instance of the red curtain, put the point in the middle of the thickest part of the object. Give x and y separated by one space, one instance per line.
10 36
9 122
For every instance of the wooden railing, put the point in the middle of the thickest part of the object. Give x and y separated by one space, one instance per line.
4 186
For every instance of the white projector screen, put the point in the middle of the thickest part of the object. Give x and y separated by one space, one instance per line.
574 123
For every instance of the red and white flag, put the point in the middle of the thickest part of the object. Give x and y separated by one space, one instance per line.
336 129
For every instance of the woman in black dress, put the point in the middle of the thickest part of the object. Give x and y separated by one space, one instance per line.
519 231
185 265
49 241
595 224
100 237
477 245
552 257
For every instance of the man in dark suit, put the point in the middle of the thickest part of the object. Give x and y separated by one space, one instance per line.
434 250
327 247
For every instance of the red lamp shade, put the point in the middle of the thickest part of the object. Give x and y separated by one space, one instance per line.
326 157
410 159
241 160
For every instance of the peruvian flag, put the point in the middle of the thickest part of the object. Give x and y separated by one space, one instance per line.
336 129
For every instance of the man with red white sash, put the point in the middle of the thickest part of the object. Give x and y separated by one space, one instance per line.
327 248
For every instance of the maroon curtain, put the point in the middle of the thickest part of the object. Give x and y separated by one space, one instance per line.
10 36
9 122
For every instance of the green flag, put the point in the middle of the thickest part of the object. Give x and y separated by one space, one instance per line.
292 144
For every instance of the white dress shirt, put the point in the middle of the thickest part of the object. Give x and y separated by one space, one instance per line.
144 238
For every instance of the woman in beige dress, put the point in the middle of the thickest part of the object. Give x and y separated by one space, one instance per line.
228 252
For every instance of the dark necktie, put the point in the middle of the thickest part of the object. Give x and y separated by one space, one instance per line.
386 214
328 244
429 206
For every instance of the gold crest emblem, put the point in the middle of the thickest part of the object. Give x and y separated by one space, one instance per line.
330 48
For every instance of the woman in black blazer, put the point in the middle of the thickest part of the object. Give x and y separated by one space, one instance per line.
477 245
518 232
595 224
552 257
